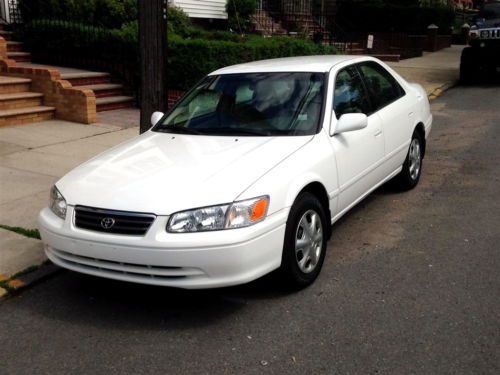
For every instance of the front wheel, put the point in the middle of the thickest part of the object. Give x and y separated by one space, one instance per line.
305 242
469 68
412 167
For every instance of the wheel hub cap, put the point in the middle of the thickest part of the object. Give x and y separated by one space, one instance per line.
415 159
308 241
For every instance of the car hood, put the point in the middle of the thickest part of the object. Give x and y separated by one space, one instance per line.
494 22
164 173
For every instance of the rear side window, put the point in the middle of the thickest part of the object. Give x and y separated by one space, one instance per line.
383 87
350 95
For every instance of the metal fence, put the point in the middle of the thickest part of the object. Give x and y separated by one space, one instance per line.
10 12
63 43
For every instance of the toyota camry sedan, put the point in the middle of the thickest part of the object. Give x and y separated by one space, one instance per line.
244 176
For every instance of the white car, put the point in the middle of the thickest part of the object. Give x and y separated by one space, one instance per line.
244 176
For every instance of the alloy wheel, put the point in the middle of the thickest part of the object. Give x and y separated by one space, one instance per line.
415 159
308 241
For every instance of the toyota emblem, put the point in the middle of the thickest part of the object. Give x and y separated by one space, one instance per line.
107 222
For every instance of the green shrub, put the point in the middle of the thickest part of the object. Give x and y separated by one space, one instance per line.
106 13
189 59
240 13
178 22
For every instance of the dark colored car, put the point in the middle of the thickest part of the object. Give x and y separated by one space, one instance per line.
482 58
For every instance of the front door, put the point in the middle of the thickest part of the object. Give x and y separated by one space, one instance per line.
359 153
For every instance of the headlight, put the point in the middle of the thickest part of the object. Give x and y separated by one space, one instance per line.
236 215
485 34
57 203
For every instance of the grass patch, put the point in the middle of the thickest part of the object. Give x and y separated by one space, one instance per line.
4 285
31 233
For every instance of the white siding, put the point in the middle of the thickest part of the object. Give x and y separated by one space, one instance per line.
202 8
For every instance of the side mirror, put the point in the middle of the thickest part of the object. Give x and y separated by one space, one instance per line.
155 117
350 122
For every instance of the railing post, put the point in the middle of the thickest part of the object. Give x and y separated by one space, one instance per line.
465 33
432 33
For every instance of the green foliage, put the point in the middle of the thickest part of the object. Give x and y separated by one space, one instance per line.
189 58
178 22
392 16
31 233
106 13
240 14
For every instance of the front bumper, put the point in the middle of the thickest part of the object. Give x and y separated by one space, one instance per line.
185 260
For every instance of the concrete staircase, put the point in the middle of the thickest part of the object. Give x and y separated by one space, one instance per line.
109 95
15 49
19 105
265 25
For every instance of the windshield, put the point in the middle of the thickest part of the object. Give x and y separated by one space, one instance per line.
490 11
253 104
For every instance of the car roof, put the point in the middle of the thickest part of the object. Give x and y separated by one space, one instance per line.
323 63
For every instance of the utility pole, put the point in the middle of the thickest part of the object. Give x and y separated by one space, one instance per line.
153 56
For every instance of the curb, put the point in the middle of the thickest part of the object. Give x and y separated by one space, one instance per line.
14 285
441 89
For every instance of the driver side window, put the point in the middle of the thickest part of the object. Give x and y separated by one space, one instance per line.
350 95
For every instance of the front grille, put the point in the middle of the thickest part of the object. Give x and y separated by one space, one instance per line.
489 34
111 221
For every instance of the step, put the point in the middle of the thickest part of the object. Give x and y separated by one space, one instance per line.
114 102
20 100
10 85
25 115
7 35
13 46
19 56
386 57
86 78
103 90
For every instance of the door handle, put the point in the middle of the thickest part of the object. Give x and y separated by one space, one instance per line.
378 133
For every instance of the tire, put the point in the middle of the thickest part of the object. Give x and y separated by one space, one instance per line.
301 264
408 178
468 66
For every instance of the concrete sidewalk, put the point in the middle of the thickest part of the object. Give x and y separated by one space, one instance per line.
433 70
33 157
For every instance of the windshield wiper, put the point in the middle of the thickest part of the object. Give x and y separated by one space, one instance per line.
236 131
178 129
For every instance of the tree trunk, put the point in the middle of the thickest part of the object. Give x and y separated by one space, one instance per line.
153 55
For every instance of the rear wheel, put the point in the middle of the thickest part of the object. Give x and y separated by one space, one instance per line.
412 167
305 242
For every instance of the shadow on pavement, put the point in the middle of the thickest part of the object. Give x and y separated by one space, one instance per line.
91 301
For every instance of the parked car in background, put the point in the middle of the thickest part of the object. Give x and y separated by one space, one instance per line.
481 59
244 176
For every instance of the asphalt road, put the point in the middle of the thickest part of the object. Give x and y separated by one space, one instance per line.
411 285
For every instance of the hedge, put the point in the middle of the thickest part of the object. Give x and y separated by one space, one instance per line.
189 60
105 13
408 19
197 57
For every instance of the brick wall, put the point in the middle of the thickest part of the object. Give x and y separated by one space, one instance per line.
174 96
